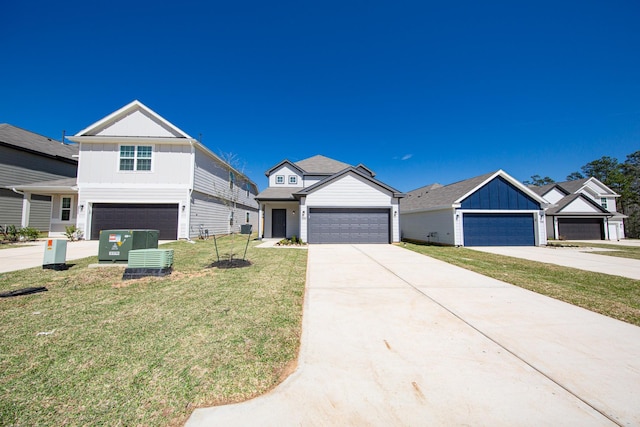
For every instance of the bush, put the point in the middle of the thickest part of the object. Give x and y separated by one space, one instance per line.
73 233
29 233
11 233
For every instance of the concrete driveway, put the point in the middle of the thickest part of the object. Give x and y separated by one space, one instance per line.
394 338
571 257
32 254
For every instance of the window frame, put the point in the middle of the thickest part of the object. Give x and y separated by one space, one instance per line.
279 178
64 209
136 158
293 179
604 202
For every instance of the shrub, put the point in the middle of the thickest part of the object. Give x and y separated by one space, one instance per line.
29 233
73 233
11 233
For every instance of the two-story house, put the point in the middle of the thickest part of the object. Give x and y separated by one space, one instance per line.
322 200
27 159
136 170
583 209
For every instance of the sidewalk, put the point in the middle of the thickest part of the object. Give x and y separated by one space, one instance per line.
32 254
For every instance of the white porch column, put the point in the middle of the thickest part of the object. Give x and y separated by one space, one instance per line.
260 221
26 209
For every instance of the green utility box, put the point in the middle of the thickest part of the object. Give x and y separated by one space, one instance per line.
55 255
115 245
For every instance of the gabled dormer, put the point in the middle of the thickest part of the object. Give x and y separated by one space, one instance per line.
285 174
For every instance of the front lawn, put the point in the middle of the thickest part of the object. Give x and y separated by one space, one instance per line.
96 350
614 296
621 251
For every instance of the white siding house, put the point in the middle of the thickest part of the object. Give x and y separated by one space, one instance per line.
583 209
137 170
322 200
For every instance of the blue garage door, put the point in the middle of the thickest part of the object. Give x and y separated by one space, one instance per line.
503 229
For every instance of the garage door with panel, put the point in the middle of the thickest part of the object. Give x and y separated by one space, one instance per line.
498 229
338 225
122 216
581 228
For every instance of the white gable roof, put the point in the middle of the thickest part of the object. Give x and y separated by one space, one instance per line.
580 205
554 196
134 120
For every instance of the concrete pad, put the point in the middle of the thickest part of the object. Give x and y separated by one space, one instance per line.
570 257
391 337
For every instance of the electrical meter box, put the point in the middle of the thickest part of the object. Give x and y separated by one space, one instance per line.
55 254
115 245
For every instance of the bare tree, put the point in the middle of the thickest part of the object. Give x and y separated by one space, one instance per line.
228 194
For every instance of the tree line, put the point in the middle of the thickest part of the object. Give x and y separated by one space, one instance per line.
621 177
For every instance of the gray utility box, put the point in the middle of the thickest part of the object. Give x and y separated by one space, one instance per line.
115 245
55 254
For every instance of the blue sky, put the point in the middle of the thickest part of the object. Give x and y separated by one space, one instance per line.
420 92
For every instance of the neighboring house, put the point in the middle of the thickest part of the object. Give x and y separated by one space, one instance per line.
138 171
488 210
584 209
27 158
322 200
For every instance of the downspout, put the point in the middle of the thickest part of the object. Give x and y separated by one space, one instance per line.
191 185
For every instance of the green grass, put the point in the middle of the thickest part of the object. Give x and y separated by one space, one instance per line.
632 252
148 351
614 296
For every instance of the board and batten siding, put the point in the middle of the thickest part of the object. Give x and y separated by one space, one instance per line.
431 226
100 163
211 177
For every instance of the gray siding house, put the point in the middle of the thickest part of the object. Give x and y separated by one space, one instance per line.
322 200
27 158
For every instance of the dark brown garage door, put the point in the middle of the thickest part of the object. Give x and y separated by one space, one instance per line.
122 216
581 228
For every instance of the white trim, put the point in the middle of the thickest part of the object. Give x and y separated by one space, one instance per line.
511 180
135 158
62 208
132 106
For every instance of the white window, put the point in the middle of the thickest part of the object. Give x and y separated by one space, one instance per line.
603 202
293 179
135 158
65 209
279 179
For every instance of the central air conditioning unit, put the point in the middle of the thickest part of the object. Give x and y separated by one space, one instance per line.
148 262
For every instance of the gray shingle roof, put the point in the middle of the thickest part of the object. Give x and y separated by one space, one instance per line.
321 165
573 186
432 196
284 193
45 185
17 137
543 189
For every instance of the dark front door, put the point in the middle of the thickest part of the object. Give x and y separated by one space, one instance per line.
279 223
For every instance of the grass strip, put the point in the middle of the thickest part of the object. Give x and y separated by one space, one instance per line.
613 296
96 350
